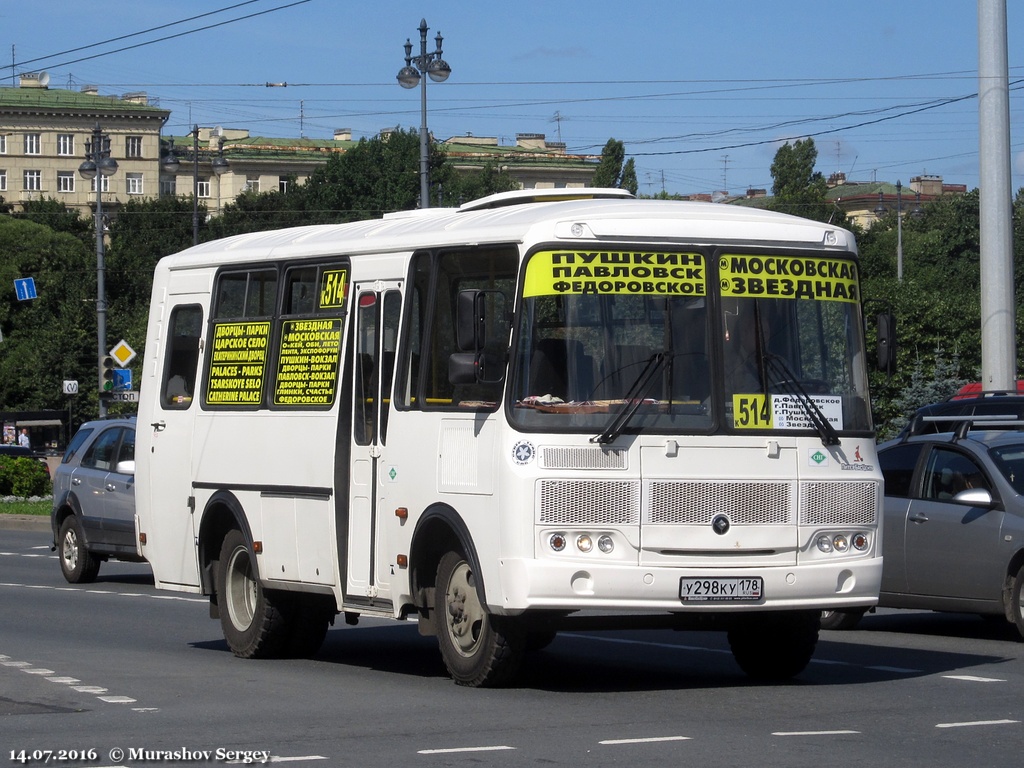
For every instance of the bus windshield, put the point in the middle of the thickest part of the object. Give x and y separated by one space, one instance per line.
678 358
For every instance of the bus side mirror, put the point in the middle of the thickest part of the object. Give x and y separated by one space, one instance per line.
470 323
886 347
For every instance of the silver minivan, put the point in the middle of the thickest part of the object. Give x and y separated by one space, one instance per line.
93 516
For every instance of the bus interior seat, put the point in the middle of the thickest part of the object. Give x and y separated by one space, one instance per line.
560 367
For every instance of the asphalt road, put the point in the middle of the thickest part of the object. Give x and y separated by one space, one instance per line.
117 673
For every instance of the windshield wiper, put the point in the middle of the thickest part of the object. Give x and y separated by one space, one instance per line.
634 399
789 382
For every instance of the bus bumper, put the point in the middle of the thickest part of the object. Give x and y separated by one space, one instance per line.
544 585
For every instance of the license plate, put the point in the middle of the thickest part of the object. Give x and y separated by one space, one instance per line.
721 589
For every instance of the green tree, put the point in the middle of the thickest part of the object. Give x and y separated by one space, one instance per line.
55 215
52 337
797 188
609 170
143 232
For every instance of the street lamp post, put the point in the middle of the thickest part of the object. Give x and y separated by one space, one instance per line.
437 69
98 165
881 210
171 165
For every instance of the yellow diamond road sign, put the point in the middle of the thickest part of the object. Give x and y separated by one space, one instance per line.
122 353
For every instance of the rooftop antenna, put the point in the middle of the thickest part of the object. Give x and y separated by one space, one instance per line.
557 120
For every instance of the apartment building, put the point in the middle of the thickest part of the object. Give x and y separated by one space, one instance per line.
43 135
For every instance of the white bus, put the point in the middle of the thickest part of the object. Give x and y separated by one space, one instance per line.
530 413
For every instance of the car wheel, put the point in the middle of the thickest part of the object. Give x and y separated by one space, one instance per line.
478 649
840 619
77 563
1015 609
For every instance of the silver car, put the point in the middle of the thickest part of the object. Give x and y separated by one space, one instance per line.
953 531
93 515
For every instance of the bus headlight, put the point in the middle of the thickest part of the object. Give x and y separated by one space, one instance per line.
825 543
557 542
606 544
860 542
840 543
584 543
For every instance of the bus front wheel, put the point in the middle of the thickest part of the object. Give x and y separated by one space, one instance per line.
478 648
775 646
254 626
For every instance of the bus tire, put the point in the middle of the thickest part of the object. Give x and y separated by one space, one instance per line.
77 563
479 649
773 647
254 624
842 619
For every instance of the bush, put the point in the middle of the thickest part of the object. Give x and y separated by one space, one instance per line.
23 477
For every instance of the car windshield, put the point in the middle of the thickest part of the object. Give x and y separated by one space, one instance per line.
671 361
1009 460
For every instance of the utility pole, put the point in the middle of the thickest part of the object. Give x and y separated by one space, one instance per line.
998 346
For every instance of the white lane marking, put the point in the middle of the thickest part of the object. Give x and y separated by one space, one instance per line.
814 733
73 683
974 679
454 750
105 592
295 759
649 740
976 722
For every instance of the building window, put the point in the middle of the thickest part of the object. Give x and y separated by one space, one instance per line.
33 144
252 183
282 184
105 186
3 180
66 144
3 144
33 181
134 181
133 146
65 181
203 187
168 187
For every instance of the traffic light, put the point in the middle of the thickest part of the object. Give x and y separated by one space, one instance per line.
107 374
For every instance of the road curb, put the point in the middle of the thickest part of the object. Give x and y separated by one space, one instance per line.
24 522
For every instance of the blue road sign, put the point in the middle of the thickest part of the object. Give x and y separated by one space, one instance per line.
122 379
25 287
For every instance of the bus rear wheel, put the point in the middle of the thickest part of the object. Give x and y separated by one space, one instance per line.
478 648
254 625
773 647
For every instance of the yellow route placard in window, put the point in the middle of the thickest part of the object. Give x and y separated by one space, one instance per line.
788 277
307 363
238 361
554 273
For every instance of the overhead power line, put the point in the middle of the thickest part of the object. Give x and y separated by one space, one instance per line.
156 40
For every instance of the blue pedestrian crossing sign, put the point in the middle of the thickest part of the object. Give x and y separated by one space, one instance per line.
25 287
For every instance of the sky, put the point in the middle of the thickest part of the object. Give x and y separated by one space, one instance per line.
701 94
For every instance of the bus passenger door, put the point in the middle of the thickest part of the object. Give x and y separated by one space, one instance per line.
167 471
378 309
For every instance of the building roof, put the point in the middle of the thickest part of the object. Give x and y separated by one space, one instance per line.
44 101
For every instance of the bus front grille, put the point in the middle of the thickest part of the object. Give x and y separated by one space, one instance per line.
697 503
838 503
587 502
675 502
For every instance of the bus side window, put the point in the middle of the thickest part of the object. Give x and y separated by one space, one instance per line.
181 357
